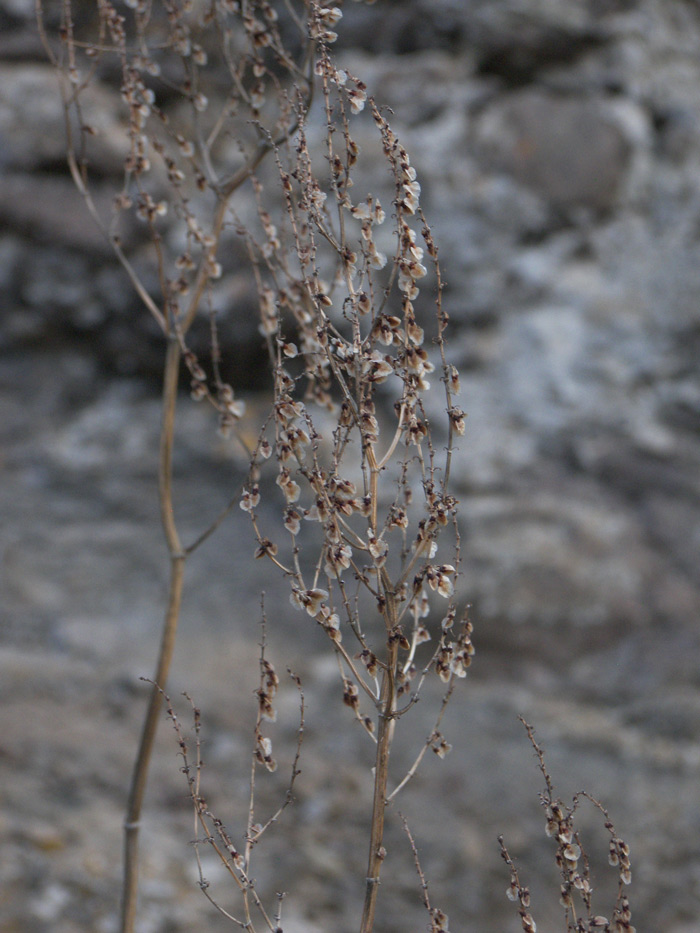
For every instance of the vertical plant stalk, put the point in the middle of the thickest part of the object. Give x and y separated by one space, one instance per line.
139 776
385 731
381 777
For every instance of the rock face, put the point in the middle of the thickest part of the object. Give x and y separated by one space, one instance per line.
567 150
558 147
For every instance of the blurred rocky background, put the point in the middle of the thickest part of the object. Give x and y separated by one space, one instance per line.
558 146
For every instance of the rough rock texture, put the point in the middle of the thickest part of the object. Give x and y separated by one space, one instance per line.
569 151
558 147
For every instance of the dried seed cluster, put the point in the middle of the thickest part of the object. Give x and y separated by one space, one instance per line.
340 315
576 893
237 859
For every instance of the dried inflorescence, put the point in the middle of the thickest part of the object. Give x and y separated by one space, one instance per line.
349 293
349 296
576 892
372 547
204 92
341 324
209 828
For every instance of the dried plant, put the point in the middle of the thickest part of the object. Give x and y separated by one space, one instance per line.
210 829
576 891
239 143
203 95
207 91
335 344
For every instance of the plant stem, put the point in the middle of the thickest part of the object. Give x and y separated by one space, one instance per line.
167 643
385 733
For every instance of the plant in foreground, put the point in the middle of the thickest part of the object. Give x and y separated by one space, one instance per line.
243 144
206 92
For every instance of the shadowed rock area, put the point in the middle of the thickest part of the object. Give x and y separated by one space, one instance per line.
557 145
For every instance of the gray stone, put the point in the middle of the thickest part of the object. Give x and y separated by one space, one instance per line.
32 122
569 151
47 209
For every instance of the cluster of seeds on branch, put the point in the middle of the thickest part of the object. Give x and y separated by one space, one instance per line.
439 921
269 683
455 656
173 60
571 860
522 896
569 856
346 329
220 395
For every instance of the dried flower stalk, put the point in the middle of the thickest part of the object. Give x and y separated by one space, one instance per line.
369 542
367 538
576 890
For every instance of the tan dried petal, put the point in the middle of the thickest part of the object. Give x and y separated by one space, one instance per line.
265 547
292 521
250 498
572 852
312 600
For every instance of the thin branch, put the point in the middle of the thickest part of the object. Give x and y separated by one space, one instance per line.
428 744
